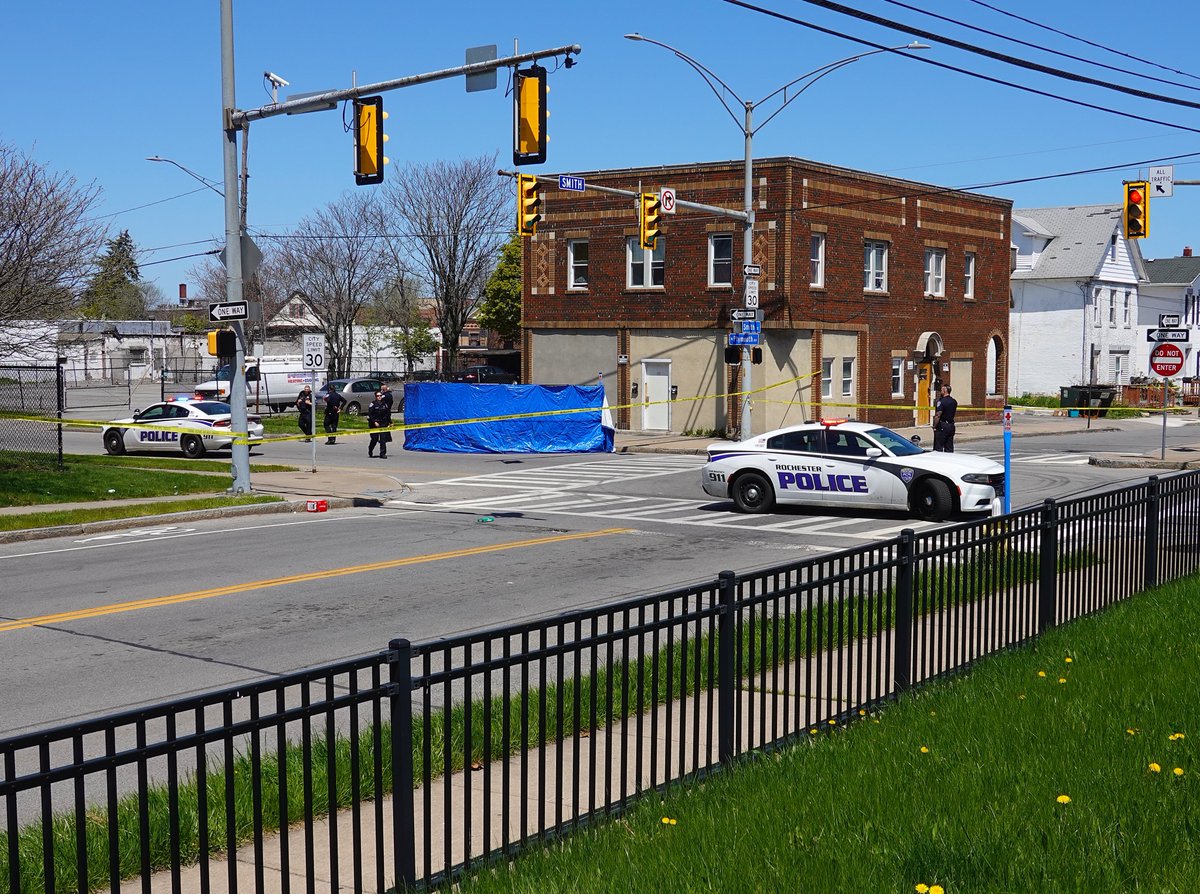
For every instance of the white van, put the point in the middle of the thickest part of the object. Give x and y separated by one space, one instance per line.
275 382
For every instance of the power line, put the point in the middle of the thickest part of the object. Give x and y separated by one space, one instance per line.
1034 46
974 74
1083 40
147 205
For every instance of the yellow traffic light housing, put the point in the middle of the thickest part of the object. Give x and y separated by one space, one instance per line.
222 343
529 204
649 208
368 140
529 116
1137 210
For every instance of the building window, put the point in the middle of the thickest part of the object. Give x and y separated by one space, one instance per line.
1112 307
816 261
875 257
577 263
847 377
827 377
1125 314
969 275
644 268
1098 307
720 259
935 271
897 377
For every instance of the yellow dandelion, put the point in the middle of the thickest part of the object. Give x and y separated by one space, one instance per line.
669 821
1021 697
921 888
1068 659
1131 731
1062 679
933 713
813 731
862 712
1175 737
936 889
1063 799
875 720
1178 771
1154 768
1041 673
924 749
832 722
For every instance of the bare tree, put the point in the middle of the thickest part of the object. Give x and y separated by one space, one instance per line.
48 241
334 259
268 285
446 222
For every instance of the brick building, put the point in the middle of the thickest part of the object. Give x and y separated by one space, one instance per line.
872 290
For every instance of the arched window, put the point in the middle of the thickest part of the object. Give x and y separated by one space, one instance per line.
995 352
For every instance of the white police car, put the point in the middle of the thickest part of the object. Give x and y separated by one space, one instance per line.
849 465
170 427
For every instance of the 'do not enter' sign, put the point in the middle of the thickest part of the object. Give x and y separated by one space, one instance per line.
1166 360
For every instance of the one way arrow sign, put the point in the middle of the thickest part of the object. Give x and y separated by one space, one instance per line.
230 310
1167 335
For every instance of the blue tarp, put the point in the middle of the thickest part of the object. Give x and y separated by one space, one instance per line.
586 431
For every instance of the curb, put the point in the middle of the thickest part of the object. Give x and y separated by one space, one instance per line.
147 521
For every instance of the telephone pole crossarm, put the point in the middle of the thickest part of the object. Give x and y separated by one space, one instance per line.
317 102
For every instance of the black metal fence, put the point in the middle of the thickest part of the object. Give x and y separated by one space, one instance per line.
31 390
411 765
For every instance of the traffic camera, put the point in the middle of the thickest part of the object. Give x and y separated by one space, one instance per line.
368 140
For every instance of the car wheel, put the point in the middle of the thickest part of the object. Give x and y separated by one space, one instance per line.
114 442
752 492
192 447
931 500
278 408
353 408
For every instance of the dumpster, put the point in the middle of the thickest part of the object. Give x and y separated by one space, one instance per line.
1087 400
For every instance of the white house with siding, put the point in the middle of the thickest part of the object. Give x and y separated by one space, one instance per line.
1074 287
1174 288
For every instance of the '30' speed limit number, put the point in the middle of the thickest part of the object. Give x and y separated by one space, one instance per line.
314 351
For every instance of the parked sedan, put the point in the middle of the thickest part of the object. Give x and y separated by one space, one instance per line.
484 375
358 393
190 427
850 464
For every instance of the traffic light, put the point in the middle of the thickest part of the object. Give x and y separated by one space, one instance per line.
733 355
368 140
649 207
529 204
222 343
1137 210
529 116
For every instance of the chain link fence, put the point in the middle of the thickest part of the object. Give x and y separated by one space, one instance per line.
31 390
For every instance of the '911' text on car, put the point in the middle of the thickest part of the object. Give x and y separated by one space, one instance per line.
190 427
848 465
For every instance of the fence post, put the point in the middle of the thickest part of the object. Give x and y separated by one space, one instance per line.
60 393
403 810
902 671
726 655
1151 533
1048 577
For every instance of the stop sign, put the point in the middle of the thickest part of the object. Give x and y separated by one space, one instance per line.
1166 360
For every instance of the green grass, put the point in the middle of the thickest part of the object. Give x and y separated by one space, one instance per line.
287 424
29 520
865 809
635 686
1118 410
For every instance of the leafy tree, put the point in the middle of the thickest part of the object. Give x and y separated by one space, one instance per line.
501 307
414 340
113 291
48 240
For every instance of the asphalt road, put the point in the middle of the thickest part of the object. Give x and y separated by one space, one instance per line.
94 624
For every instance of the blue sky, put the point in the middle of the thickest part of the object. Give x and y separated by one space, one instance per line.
94 88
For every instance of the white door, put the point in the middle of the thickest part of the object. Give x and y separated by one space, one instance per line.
656 391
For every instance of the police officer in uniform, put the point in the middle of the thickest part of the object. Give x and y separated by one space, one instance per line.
943 422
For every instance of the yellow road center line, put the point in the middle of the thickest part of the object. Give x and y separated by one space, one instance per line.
212 592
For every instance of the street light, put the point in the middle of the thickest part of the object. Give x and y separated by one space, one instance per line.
187 171
748 131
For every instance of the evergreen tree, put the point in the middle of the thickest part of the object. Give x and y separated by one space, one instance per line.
113 291
501 308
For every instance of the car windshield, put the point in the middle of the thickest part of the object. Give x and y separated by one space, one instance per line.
225 372
894 441
212 407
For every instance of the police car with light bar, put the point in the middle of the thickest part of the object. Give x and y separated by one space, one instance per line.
851 465
190 427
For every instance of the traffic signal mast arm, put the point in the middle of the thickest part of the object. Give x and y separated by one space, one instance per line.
322 101
679 203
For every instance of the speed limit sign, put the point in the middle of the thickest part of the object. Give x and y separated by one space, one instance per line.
314 351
